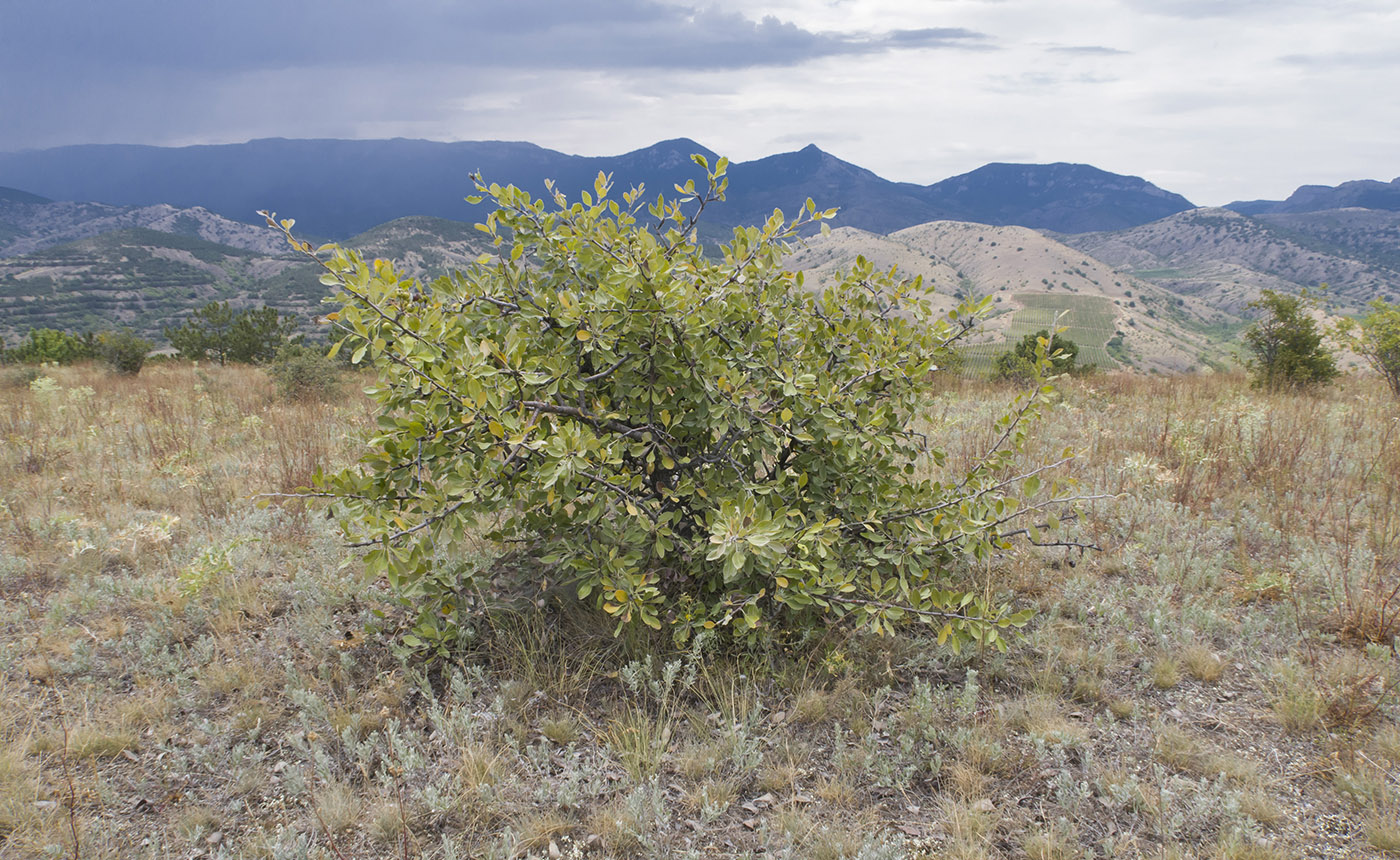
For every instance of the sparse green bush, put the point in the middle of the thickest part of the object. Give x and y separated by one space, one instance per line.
123 351
1286 344
1377 338
1023 362
685 440
302 371
216 331
51 345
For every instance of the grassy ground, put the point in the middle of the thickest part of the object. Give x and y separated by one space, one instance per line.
183 673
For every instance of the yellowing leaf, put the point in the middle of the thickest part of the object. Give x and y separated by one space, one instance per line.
583 334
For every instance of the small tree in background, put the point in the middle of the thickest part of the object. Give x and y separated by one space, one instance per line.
43 345
1287 344
206 333
304 372
1376 337
123 351
259 335
684 440
1024 361
217 331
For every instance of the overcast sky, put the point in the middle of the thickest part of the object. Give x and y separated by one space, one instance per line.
1215 99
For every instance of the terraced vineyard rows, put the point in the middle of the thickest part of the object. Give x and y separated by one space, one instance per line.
1089 321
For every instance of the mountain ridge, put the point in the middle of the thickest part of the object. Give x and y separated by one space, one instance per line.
1357 193
338 188
1058 192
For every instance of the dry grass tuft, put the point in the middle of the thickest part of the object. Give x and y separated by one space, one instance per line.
1041 718
89 740
1383 833
337 807
1184 752
1241 849
1052 844
562 730
1258 805
966 781
1165 672
1203 664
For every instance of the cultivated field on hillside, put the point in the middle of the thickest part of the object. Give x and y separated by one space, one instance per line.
184 673
1089 321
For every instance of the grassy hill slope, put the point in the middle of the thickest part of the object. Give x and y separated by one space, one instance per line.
1225 259
143 279
1160 331
148 279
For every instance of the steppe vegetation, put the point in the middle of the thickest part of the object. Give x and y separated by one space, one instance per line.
639 539
184 672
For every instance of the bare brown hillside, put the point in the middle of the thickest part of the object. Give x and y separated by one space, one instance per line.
1226 259
964 259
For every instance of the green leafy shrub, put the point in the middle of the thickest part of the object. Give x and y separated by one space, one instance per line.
302 371
1024 361
1377 338
684 440
1286 344
123 351
217 332
51 345
205 333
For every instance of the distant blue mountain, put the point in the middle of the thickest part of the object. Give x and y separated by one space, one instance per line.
1065 198
14 195
337 188
332 187
1360 194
